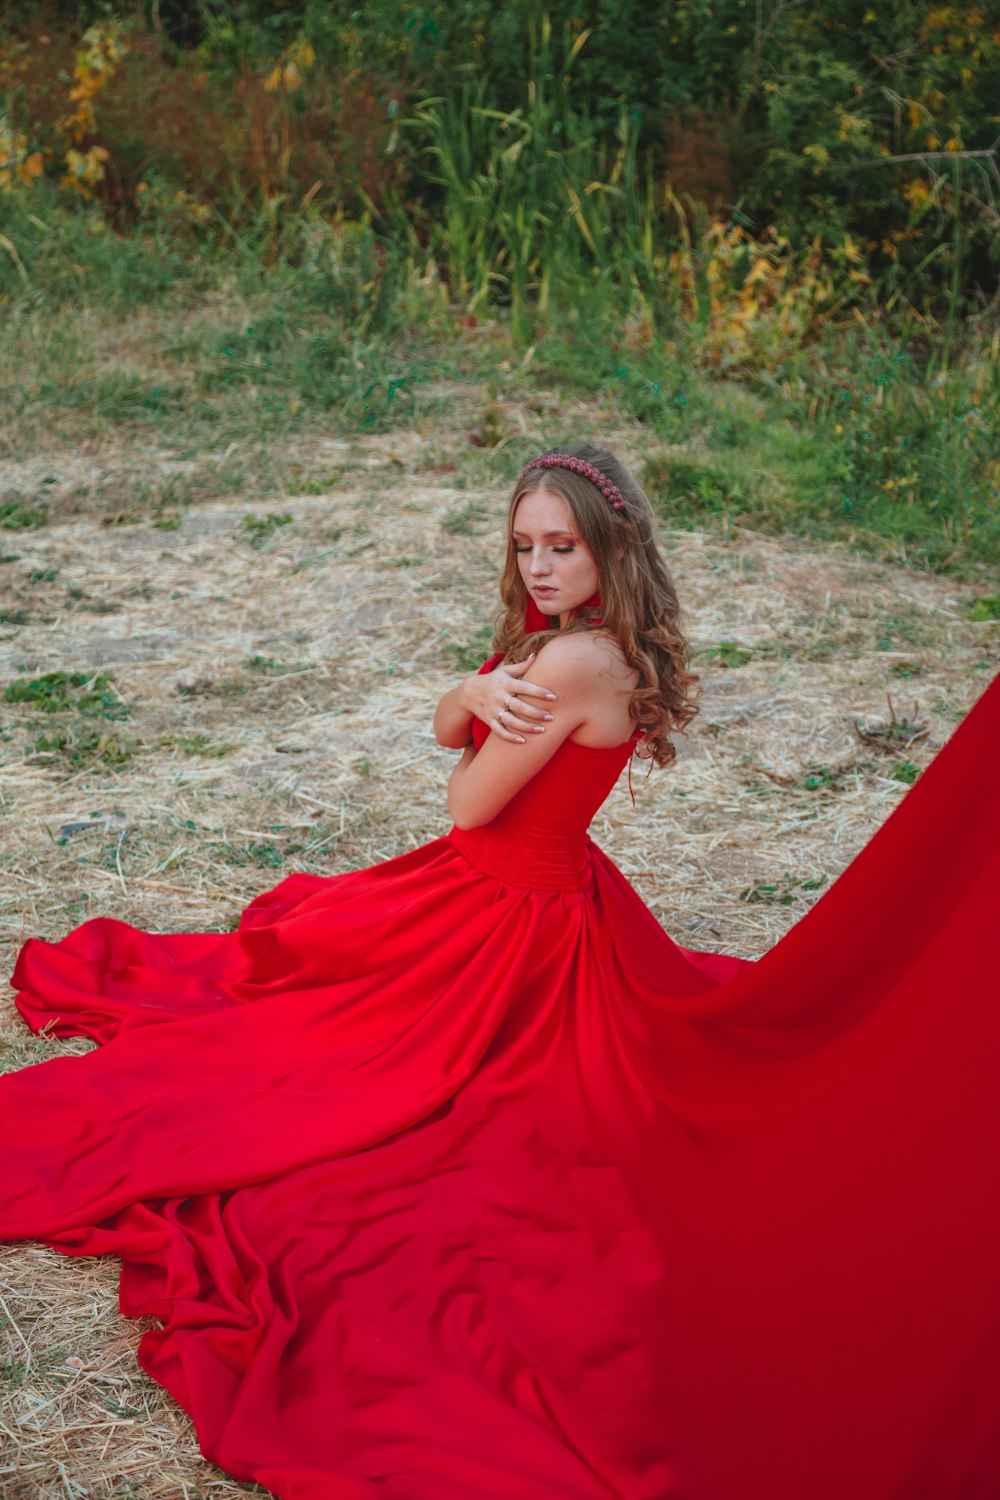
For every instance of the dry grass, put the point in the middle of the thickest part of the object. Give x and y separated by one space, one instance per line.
279 681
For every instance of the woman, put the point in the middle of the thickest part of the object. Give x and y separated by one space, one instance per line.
456 1179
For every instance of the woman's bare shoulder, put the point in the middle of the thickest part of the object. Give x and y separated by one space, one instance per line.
586 649
588 653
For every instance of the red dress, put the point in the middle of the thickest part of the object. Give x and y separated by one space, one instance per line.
457 1179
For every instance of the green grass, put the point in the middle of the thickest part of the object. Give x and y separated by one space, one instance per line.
987 608
782 892
238 355
71 702
82 744
60 692
16 516
469 520
726 654
260 529
200 745
468 656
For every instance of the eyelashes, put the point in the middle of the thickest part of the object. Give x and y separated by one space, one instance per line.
562 550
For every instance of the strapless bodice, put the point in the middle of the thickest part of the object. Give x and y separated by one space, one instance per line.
540 837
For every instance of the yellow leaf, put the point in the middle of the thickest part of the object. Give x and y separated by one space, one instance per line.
581 222
915 191
577 45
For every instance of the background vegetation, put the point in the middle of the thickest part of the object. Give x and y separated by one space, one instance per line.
769 229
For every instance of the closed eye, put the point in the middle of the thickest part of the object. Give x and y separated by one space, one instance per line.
519 548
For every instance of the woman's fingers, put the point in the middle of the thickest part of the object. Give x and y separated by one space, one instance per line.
532 690
503 728
528 712
513 717
522 724
517 670
520 685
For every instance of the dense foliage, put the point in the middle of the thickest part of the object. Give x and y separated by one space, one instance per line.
842 119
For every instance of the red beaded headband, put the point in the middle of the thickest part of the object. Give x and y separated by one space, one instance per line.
610 491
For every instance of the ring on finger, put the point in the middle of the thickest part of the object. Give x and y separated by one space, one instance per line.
500 717
506 703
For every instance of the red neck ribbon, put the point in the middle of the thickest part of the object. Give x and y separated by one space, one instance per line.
535 620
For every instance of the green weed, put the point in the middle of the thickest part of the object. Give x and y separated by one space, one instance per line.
263 853
198 744
469 521
16 516
726 654
782 892
821 778
986 607
260 529
469 656
58 692
84 743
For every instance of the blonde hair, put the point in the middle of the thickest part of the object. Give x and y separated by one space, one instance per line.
638 607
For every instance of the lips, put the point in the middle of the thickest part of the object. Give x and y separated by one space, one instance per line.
544 592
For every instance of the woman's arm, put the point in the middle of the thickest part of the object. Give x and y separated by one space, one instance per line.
482 696
482 784
452 720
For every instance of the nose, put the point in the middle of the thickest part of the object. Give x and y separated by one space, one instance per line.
540 563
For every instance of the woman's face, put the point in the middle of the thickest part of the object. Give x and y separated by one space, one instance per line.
555 563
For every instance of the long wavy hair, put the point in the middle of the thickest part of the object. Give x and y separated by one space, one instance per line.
638 607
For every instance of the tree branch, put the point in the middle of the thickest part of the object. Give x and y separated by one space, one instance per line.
989 153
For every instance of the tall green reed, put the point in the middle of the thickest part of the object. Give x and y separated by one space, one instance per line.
534 211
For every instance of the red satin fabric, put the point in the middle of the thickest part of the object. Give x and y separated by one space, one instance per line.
457 1179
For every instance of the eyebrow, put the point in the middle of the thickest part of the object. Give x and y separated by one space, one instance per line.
547 534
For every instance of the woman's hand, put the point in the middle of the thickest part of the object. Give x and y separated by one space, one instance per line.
507 702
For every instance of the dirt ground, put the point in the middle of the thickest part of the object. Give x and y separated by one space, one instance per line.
258 681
